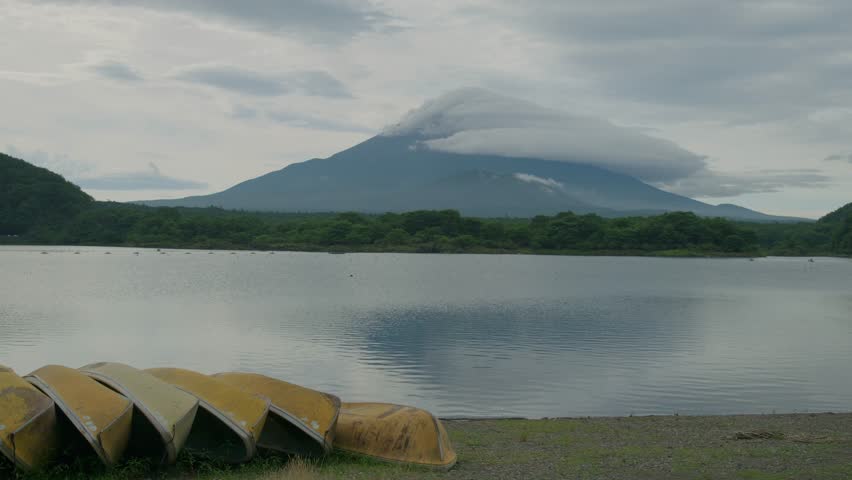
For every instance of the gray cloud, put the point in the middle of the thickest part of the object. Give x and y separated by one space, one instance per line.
298 120
716 184
780 59
477 121
321 19
152 179
114 70
316 123
249 82
839 158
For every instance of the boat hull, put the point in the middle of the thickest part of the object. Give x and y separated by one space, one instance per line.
301 420
28 435
101 416
394 433
164 413
229 420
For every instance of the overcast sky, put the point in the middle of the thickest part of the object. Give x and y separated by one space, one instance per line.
164 98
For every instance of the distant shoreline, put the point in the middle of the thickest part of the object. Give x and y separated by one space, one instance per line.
404 250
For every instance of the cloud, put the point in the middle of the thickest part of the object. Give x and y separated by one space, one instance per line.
839 158
152 179
59 163
546 182
778 58
114 70
316 123
710 184
34 78
477 121
298 120
249 82
320 19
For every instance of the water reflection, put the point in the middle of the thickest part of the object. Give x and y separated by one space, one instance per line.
461 335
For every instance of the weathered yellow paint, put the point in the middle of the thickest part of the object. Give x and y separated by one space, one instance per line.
27 422
101 415
169 409
313 412
394 433
244 412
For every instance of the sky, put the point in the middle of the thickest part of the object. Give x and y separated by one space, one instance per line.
727 101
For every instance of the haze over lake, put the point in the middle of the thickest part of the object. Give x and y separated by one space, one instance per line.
461 335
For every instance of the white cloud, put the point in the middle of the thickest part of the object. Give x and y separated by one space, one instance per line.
547 182
150 179
62 164
240 80
710 184
477 121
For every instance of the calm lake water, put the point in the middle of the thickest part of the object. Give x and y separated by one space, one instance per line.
461 335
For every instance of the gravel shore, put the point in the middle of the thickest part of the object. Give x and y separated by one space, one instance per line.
741 447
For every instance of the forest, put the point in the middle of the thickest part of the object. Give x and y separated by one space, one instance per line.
678 233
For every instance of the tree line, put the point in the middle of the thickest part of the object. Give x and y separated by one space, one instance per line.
678 233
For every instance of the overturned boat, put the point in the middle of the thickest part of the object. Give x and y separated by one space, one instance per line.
28 435
301 421
394 433
164 413
229 420
101 416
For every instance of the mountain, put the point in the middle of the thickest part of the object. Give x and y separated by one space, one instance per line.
31 196
407 167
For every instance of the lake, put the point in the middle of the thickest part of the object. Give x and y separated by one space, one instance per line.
461 335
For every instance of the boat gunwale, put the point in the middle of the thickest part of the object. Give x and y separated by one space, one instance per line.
94 441
10 453
313 434
244 435
167 436
321 437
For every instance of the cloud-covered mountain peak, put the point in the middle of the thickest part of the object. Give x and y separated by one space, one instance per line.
479 121
469 108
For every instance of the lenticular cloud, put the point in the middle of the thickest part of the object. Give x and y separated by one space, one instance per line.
477 121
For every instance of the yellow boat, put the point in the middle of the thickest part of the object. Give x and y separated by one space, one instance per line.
28 436
101 416
164 413
394 433
229 422
301 420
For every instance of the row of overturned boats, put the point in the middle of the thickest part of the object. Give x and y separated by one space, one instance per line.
114 411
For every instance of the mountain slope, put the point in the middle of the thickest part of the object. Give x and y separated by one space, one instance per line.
31 196
395 173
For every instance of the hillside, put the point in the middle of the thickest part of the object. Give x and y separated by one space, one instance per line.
840 221
31 196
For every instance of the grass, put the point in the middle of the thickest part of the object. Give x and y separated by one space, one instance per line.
801 446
